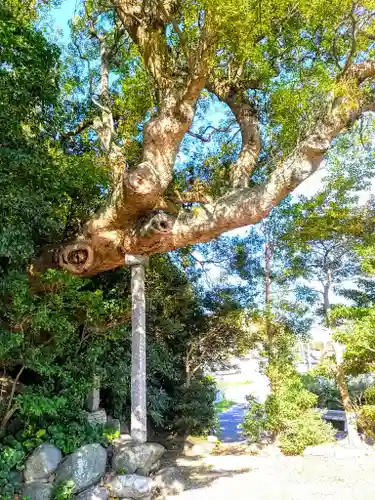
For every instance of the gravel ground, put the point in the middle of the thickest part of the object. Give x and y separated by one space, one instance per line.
350 476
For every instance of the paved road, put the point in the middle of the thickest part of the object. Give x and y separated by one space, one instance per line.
229 421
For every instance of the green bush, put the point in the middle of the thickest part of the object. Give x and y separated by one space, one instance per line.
370 395
328 393
366 420
307 430
194 410
64 491
255 422
12 458
287 413
288 399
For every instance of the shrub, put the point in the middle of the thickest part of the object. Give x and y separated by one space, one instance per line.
307 430
289 398
370 395
194 410
255 422
64 491
287 413
12 458
328 393
325 389
366 420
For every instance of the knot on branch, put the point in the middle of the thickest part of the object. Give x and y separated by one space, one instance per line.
316 146
77 258
157 225
143 180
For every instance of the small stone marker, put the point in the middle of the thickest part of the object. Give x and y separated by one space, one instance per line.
93 398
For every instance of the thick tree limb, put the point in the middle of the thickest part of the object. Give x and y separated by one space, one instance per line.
246 116
137 192
129 225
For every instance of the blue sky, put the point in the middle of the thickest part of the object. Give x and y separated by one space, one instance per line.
61 17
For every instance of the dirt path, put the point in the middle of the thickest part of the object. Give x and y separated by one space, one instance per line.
347 476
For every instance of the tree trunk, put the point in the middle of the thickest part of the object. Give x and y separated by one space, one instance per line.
267 298
353 436
351 418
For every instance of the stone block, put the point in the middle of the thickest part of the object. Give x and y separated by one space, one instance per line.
94 493
131 486
92 403
97 417
130 457
37 491
85 467
42 463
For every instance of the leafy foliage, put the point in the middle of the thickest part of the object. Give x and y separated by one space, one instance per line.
307 430
12 457
366 420
288 412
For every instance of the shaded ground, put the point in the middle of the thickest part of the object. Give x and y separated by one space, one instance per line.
350 477
338 473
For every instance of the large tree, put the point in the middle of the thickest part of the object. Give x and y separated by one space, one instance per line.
291 76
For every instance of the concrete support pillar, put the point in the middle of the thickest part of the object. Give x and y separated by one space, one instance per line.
138 373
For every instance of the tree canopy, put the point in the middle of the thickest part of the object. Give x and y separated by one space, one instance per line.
137 88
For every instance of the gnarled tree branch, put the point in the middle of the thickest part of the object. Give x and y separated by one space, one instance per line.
129 223
245 113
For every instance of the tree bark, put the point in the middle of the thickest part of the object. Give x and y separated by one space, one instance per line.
130 222
268 257
351 419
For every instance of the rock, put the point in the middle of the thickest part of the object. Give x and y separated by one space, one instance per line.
129 457
42 463
170 481
146 472
85 467
38 491
94 493
130 486
97 417
122 441
199 449
114 423
124 429
155 466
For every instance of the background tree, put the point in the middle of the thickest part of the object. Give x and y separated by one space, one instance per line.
324 237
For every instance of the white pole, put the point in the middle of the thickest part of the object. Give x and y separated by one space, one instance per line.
138 371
